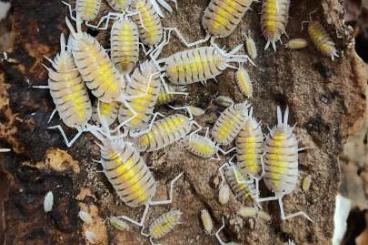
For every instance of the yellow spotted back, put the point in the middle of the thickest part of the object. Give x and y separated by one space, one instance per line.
221 17
148 21
201 146
124 45
165 224
244 83
88 9
128 173
164 132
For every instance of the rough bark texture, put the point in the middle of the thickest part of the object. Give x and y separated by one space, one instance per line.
326 99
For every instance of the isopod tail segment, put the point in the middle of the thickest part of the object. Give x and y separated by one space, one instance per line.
232 56
154 203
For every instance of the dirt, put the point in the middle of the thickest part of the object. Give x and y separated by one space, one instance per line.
327 101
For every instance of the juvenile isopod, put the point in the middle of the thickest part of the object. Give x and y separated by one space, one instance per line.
124 45
166 131
221 17
107 112
119 5
48 202
207 221
229 123
199 64
91 237
307 181
247 212
274 18
196 111
85 217
224 193
118 223
163 225
244 83
224 101
296 43
321 40
251 46
281 162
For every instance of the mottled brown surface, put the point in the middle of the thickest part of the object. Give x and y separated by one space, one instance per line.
326 100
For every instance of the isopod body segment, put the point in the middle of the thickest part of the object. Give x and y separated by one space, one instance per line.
274 18
321 40
229 123
107 112
124 45
68 90
221 17
88 9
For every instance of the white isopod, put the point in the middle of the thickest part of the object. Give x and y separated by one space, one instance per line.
85 217
224 193
207 221
48 202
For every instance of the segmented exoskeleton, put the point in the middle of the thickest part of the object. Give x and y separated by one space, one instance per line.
249 147
143 90
165 132
124 45
69 93
322 40
221 17
281 162
274 18
87 9
165 97
201 146
119 5
163 225
244 83
199 64
107 112
95 66
230 122
242 186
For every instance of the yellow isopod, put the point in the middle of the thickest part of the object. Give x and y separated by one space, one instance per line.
251 46
244 83
207 221
221 17
322 40
95 66
296 43
274 17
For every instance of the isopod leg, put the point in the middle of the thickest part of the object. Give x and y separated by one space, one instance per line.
167 90
290 216
4 150
184 41
217 234
67 142
171 193
52 116
139 224
226 164
165 5
70 10
223 152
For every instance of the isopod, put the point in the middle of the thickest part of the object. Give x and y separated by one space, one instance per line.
221 17
307 181
251 46
207 221
118 223
164 225
224 101
95 66
165 97
196 111
244 83
247 212
142 91
68 92
199 64
229 123
322 40
249 147
91 237
48 202
224 193
274 18
165 132
242 186
296 43
107 112
201 146
281 162
85 217
124 45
